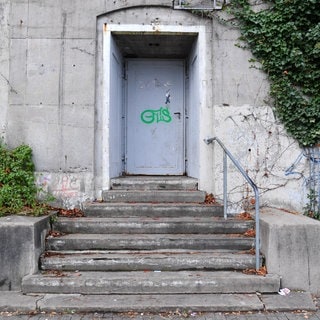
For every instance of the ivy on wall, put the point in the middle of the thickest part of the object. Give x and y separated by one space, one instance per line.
285 39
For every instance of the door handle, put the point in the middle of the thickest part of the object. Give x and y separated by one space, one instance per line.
178 114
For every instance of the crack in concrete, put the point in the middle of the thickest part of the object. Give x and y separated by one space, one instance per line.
261 166
83 51
9 84
37 307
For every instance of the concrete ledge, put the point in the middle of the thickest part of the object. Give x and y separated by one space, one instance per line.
22 240
300 301
17 302
290 244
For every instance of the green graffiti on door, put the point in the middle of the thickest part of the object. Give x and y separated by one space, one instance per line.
161 115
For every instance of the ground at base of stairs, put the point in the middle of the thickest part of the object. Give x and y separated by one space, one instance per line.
17 302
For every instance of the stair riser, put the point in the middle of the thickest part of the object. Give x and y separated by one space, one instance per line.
153 184
154 196
141 263
148 244
183 304
173 285
114 210
152 227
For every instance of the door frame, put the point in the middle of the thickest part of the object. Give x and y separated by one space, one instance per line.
103 170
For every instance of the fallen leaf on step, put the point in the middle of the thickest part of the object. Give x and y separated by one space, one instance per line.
54 234
260 272
250 233
244 216
71 213
209 199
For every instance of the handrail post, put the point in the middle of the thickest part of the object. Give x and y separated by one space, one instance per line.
225 184
257 242
226 153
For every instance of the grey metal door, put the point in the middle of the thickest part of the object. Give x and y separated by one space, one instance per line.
155 117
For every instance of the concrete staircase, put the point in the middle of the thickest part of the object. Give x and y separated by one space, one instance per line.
152 245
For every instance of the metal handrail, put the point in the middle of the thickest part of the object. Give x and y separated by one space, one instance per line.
226 153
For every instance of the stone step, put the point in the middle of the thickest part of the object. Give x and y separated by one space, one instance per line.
172 306
154 183
190 225
156 196
185 305
150 260
148 242
139 282
112 210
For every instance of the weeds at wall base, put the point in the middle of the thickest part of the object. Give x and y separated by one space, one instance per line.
18 190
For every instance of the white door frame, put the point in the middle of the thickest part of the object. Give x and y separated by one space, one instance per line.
204 103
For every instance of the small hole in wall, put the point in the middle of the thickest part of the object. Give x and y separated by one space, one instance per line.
249 150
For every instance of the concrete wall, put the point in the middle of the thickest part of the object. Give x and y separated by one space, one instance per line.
49 88
4 65
21 244
261 145
245 122
290 244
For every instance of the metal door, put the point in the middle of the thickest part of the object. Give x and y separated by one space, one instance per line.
155 117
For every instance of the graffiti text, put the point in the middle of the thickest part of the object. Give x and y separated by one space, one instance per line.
150 116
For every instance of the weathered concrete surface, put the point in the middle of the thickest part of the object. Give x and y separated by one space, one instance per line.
140 282
97 209
22 241
154 183
153 196
4 66
158 225
19 303
153 303
69 189
166 260
257 141
16 301
301 300
290 244
51 89
149 242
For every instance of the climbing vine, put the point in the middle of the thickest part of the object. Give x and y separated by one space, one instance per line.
284 38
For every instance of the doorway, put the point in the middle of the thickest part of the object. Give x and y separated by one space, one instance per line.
154 91
154 116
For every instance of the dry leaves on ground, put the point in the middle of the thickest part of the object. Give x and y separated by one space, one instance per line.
244 216
210 199
251 251
250 233
56 273
260 272
54 234
70 213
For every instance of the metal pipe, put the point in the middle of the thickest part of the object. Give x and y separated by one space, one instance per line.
225 187
252 184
